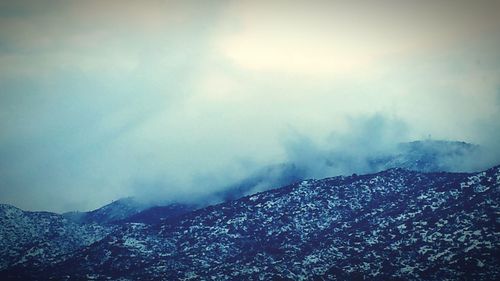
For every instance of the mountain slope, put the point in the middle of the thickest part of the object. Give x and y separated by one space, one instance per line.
158 214
113 212
33 238
393 225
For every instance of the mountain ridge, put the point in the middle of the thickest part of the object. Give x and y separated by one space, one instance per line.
29 237
424 226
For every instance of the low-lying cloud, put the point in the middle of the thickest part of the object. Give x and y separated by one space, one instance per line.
170 100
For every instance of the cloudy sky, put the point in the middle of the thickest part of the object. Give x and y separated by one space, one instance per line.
105 99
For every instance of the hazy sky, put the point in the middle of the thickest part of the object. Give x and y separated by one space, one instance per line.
105 99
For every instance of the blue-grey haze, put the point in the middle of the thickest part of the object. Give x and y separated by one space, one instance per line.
173 99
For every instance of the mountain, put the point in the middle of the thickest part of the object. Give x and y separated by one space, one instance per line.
158 214
428 156
392 225
425 156
268 177
34 238
422 156
114 212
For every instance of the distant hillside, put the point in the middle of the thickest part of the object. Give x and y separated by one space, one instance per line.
33 238
422 156
429 156
114 212
392 225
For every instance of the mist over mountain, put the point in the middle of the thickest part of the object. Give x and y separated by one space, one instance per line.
127 210
249 140
422 156
392 225
113 212
362 219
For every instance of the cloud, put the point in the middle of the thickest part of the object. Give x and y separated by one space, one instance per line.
177 99
371 144
325 38
347 152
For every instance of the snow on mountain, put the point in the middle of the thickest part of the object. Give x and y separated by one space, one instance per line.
392 225
35 238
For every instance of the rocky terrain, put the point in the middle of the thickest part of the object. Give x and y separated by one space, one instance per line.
392 225
35 238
